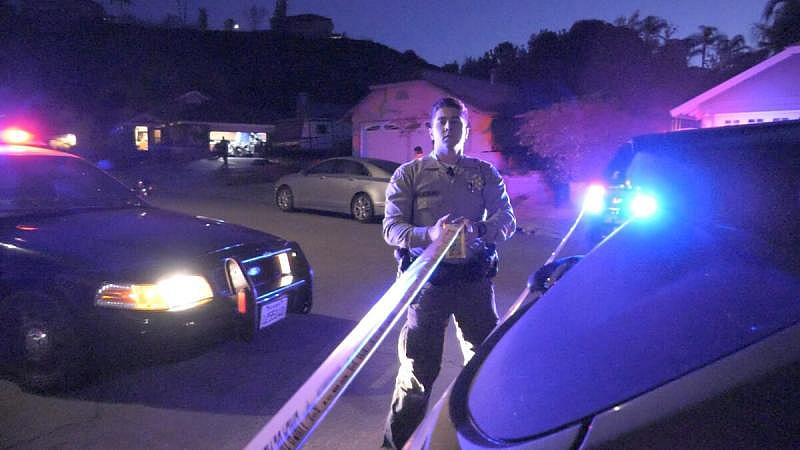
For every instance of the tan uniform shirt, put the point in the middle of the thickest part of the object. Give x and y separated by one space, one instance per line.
423 190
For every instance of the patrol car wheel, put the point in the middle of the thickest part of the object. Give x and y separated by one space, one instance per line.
47 350
284 199
362 208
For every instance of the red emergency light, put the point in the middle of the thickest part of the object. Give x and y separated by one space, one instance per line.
15 136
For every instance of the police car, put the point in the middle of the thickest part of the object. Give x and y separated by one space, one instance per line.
89 271
679 330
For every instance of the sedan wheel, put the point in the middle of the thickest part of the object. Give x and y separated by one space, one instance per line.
362 208
284 199
47 349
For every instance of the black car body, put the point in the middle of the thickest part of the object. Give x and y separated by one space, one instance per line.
680 331
88 270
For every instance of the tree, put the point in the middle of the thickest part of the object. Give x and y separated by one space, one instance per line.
450 67
576 138
781 26
505 61
202 19
729 50
182 6
704 42
653 30
228 24
256 16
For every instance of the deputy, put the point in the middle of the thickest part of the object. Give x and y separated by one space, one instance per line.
425 195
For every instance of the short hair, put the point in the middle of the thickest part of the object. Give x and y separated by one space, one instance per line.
450 102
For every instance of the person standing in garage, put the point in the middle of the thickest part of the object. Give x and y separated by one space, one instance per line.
424 195
221 148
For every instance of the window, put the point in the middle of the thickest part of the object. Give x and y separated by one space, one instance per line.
322 128
348 167
328 166
413 126
140 138
156 136
373 128
391 126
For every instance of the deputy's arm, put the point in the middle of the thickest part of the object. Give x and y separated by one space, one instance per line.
398 230
500 221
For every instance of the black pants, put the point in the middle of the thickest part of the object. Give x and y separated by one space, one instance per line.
422 342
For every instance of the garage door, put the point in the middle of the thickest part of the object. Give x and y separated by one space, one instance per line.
394 141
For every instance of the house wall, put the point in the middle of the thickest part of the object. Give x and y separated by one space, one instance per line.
393 119
313 137
771 95
307 134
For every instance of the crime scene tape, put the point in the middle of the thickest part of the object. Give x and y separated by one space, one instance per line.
293 423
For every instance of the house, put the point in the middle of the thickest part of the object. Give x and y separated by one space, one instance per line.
315 127
310 26
190 125
394 118
767 92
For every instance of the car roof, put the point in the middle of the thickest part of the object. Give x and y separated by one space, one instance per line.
32 150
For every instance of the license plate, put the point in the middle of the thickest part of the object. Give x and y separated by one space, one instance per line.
272 312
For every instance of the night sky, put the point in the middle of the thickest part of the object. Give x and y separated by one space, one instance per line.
451 30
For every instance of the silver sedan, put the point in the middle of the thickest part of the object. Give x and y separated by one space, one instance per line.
355 186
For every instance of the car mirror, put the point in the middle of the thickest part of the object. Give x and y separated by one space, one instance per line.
547 276
143 188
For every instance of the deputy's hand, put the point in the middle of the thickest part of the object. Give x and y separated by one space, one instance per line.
435 230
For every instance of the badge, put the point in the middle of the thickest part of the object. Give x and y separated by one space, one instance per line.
475 183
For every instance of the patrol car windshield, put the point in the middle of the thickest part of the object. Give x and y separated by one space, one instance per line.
33 184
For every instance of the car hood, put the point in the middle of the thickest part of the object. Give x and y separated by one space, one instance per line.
644 308
142 241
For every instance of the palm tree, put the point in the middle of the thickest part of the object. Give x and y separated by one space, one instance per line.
703 41
781 26
654 29
727 50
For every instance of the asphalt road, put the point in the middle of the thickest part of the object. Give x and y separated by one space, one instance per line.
219 395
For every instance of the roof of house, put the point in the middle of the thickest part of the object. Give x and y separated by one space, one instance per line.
195 106
491 98
688 107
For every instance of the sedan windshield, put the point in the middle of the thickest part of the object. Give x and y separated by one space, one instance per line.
32 184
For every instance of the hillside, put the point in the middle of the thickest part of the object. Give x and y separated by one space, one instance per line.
99 74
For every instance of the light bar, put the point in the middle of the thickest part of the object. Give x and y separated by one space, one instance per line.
15 136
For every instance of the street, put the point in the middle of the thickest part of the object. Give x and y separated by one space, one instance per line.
221 394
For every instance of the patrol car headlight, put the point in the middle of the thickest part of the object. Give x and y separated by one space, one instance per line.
595 200
173 293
